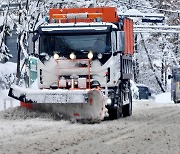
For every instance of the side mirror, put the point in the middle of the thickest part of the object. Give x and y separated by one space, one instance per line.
35 37
120 41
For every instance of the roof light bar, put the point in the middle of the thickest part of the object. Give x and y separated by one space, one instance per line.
78 16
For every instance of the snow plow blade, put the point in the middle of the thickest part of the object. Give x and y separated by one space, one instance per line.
78 104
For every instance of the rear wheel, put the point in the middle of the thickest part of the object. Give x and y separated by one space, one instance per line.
127 108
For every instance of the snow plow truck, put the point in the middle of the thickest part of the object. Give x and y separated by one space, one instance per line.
83 65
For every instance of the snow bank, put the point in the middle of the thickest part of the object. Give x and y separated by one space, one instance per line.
4 95
1 20
134 89
23 113
7 74
163 98
8 68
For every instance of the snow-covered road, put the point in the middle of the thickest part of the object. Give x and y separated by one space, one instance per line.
153 128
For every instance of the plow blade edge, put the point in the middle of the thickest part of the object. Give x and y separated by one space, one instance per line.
78 104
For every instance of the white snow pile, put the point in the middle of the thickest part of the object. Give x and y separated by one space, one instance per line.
163 98
8 68
134 89
4 97
1 20
24 113
7 74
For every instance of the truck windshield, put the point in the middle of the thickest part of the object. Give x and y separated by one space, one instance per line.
66 44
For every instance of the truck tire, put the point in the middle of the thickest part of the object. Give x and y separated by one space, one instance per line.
116 112
127 109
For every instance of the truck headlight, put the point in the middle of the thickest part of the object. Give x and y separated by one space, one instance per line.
56 56
109 101
90 55
72 56
100 56
47 57
44 57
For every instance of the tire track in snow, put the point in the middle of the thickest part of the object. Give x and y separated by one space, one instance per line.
117 136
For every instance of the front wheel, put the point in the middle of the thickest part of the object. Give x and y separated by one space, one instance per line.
115 111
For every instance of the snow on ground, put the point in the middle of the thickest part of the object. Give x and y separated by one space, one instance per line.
163 98
153 128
